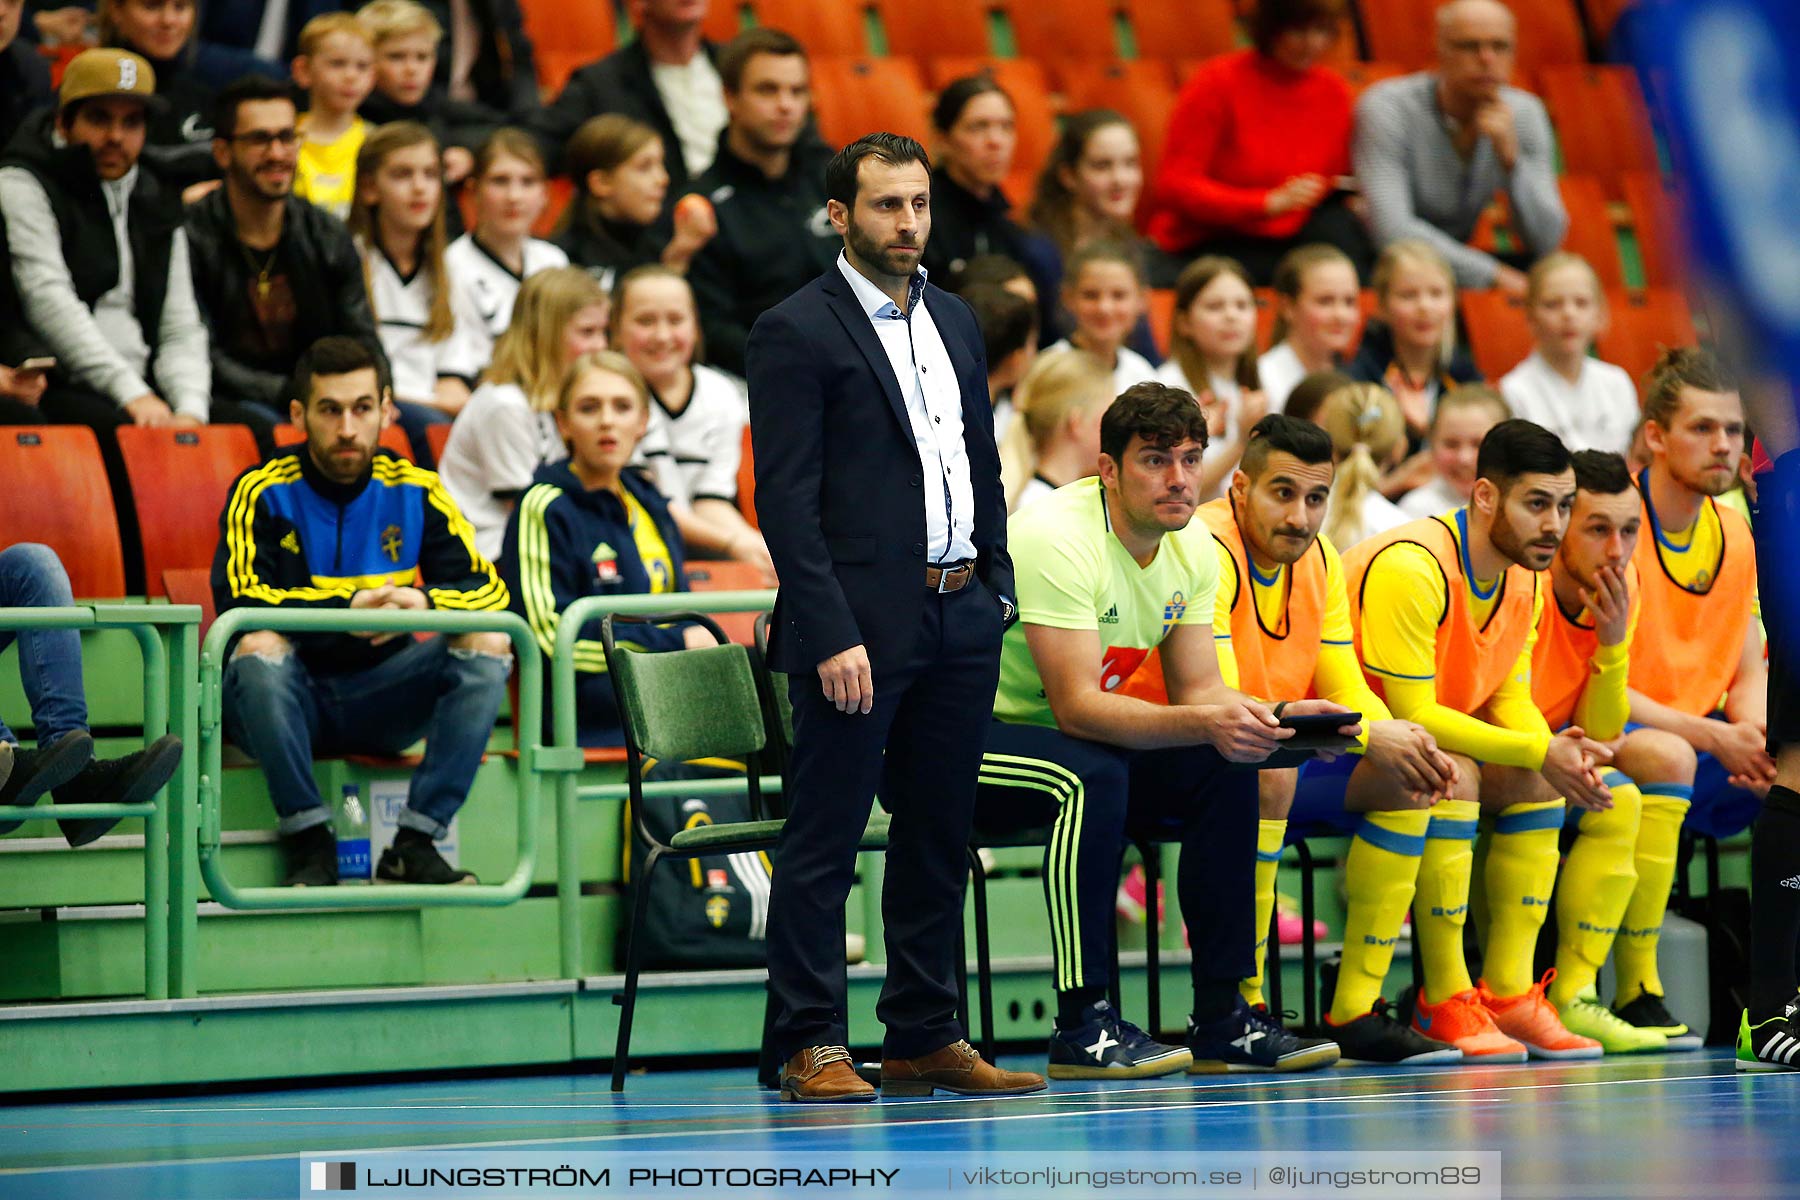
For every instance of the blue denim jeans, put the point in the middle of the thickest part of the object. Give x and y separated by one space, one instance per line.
31 576
282 714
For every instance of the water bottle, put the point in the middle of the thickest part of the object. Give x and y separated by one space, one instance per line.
353 837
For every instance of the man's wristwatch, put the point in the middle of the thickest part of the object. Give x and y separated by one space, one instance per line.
1009 612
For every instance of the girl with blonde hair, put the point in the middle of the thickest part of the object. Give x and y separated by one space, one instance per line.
508 428
1588 403
1411 349
1367 435
1054 435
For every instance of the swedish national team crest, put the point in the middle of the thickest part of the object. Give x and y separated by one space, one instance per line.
718 911
1172 611
392 543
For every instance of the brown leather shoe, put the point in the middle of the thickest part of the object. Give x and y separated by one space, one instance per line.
823 1075
955 1068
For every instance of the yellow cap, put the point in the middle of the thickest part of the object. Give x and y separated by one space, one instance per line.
107 72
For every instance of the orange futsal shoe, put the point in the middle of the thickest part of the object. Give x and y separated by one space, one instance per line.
1461 1021
1531 1018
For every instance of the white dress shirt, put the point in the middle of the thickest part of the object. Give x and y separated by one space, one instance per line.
927 380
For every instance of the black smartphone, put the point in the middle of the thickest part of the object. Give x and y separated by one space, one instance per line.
1312 725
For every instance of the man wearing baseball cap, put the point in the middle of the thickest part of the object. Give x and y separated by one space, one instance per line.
98 267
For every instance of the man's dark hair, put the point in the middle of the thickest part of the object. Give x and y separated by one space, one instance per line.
1601 471
1159 414
996 269
1008 321
338 355
746 46
240 91
894 149
1279 432
1519 447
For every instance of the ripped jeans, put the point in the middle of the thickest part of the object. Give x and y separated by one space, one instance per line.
281 714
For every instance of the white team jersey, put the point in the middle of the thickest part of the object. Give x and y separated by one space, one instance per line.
402 307
1129 367
491 286
694 455
496 444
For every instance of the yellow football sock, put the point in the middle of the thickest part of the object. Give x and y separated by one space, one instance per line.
1658 840
1269 837
1596 885
1443 900
1379 874
1521 870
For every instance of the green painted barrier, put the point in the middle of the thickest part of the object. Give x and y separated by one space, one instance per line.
205 815
166 635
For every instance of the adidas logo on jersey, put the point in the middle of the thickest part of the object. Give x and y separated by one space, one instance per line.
1792 881
1110 616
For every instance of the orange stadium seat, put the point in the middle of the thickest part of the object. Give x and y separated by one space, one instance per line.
567 36
437 437
1161 315
392 438
1197 29
180 480
720 575
1025 82
1601 121
1591 232
1064 28
1655 219
825 26
191 585
1365 75
1602 15
923 28
1405 32
724 20
1643 324
746 482
53 490
1499 338
854 96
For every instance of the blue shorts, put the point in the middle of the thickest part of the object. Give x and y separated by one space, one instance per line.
1319 797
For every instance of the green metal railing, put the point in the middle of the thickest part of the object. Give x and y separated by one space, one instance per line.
528 732
566 757
166 635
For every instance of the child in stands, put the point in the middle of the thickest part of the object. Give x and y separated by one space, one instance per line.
507 430
336 66
1054 435
697 419
491 260
615 220
1463 417
1589 404
1212 353
1104 292
1317 317
1411 348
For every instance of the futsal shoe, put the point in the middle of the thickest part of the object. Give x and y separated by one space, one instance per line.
956 1068
1649 1012
1376 1039
1585 1016
1252 1040
1461 1021
1530 1019
35 772
1106 1046
823 1075
1772 1045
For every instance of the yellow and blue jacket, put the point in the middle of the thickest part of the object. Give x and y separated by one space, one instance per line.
289 536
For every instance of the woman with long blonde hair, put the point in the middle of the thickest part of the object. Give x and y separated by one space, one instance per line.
508 428
1054 435
1368 434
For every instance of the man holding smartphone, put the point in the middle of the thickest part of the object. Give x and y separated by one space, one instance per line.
1282 625
1109 569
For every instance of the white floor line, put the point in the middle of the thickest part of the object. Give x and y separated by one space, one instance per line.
1435 1096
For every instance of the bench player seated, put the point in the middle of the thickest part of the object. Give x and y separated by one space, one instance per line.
1281 624
1585 641
1444 613
1108 569
1697 667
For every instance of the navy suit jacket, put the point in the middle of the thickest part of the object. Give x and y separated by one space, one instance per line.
838 477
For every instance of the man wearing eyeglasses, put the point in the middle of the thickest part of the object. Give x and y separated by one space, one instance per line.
273 274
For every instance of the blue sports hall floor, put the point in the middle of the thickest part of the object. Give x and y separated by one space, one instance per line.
1670 1126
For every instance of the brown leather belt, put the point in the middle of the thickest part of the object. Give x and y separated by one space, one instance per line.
948 577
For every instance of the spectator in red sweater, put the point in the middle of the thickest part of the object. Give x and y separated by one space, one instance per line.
1258 147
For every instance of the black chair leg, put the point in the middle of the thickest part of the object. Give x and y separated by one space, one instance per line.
984 965
1272 962
634 953
1152 934
1309 951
